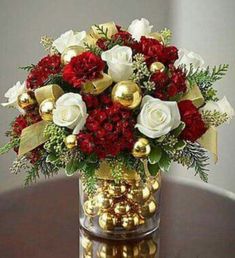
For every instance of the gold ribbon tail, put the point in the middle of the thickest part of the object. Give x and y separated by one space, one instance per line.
209 142
194 94
51 91
32 137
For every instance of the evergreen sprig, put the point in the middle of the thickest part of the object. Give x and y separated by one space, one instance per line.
214 118
102 31
32 175
10 145
167 35
94 49
27 68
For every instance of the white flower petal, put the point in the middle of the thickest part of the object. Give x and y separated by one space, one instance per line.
139 28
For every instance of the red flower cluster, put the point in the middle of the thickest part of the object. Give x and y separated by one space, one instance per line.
82 68
109 128
155 51
170 84
49 65
22 122
194 125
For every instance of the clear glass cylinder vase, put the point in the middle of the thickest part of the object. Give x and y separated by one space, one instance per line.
128 209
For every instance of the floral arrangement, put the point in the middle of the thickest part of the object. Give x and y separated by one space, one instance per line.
125 97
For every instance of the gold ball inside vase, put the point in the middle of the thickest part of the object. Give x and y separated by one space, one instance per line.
127 94
107 221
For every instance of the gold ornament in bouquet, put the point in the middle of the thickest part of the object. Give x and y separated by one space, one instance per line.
27 100
71 52
127 93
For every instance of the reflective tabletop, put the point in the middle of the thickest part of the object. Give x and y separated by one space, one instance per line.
197 221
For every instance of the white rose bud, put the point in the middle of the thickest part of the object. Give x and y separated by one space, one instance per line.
222 106
70 112
12 95
119 61
157 117
68 39
139 28
187 57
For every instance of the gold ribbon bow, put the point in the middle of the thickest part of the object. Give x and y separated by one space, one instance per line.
194 94
32 136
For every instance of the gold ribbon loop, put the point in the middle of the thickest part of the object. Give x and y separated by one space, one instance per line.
31 137
195 95
51 91
209 141
98 86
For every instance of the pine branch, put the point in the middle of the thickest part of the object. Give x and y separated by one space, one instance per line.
32 175
167 35
101 31
94 49
214 118
10 145
27 68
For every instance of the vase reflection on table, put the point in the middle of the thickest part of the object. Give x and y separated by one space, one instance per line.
90 247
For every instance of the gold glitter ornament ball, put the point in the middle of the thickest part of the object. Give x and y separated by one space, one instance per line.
104 201
116 190
148 248
127 94
149 208
107 221
46 109
70 141
69 53
27 100
121 208
157 66
130 251
130 221
141 148
90 209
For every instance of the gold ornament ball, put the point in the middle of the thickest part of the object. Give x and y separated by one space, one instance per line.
103 201
69 53
90 209
139 194
86 244
130 251
153 182
27 100
46 109
141 148
107 221
121 208
116 190
107 251
127 94
70 141
130 221
157 66
149 208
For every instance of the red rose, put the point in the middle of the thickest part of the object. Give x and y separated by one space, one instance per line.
49 65
194 125
82 68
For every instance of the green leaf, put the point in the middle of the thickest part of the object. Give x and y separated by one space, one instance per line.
180 145
165 162
51 158
153 169
155 155
73 166
92 158
176 132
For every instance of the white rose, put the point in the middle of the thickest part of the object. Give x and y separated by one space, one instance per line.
139 28
119 61
222 106
187 57
157 117
70 111
69 38
12 95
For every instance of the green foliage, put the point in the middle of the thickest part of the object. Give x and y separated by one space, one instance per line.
101 31
153 169
74 166
167 35
18 165
214 118
15 142
165 162
94 49
27 68
205 79
155 155
32 175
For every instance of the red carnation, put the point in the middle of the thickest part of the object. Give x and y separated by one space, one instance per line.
194 125
47 66
82 68
155 51
19 124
